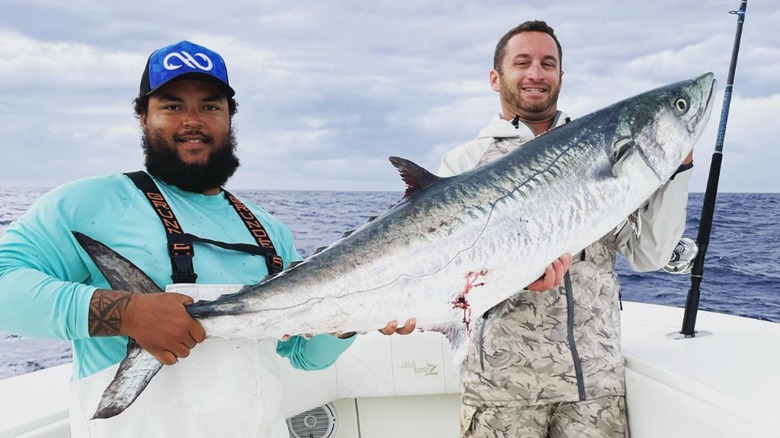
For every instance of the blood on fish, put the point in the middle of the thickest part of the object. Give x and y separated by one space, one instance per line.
460 302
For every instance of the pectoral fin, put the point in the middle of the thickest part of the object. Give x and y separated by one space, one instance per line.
621 150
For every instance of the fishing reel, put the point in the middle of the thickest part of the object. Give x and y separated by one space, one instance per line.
682 257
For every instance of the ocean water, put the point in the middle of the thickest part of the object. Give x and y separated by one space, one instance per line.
741 272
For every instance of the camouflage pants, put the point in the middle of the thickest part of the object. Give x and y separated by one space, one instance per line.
603 417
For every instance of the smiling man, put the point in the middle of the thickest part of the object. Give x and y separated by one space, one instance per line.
547 361
178 224
186 118
527 76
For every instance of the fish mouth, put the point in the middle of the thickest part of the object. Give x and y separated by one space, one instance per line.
702 114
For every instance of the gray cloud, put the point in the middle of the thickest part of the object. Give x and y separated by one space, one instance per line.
329 90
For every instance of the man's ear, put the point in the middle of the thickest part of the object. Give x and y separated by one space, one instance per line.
495 80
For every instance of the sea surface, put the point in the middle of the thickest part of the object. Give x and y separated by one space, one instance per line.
741 271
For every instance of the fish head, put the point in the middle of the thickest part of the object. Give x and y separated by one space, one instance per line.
663 125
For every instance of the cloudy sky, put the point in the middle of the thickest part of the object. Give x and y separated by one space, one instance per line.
329 89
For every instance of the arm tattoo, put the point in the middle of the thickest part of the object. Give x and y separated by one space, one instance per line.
105 312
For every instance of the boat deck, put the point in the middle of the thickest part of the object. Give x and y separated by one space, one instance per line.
722 383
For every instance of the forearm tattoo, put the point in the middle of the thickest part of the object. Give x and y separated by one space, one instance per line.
105 312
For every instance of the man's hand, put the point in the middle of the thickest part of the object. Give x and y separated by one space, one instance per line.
158 322
389 329
392 327
553 275
161 325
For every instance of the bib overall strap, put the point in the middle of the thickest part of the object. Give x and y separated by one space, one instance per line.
273 262
180 246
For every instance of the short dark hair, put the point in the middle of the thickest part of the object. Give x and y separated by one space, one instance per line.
528 26
141 105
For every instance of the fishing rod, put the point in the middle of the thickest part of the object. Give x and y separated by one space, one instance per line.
708 207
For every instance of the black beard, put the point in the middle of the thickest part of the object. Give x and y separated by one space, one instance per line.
163 162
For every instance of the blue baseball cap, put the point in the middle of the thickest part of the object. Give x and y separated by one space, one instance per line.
184 60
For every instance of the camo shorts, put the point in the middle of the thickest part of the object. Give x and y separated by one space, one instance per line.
603 417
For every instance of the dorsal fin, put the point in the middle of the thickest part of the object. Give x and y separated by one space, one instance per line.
347 233
415 177
319 250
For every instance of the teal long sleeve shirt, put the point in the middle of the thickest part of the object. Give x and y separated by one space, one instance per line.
47 280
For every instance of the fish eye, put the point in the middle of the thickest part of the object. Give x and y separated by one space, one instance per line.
681 105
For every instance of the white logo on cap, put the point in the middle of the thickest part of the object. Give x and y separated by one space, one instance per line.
188 60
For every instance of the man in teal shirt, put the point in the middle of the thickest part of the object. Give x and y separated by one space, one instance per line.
50 288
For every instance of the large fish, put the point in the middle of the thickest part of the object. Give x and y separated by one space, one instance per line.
454 247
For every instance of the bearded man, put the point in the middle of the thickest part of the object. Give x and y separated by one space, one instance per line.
178 224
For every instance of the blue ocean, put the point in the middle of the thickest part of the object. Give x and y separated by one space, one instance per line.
741 271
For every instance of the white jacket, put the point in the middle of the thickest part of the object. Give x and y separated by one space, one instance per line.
520 354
